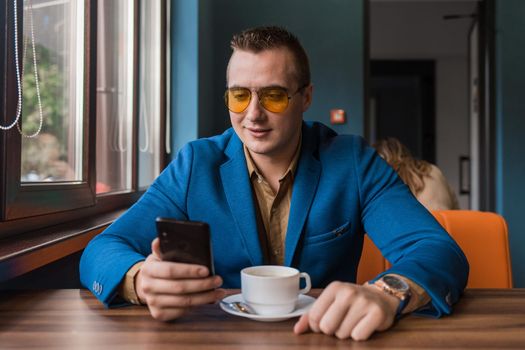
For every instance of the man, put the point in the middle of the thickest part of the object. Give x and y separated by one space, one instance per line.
277 190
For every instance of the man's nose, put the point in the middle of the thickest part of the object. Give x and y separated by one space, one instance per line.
254 111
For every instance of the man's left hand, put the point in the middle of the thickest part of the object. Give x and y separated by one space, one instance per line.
349 310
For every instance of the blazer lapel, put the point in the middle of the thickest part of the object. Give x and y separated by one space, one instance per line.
304 188
237 187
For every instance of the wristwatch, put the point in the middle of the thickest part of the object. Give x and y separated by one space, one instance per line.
397 287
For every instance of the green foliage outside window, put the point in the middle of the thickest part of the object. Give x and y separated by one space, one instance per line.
43 156
52 87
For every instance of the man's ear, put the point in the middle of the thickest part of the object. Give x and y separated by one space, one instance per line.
307 97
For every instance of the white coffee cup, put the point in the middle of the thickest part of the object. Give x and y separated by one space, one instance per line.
271 289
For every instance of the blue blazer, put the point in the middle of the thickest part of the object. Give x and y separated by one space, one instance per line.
341 190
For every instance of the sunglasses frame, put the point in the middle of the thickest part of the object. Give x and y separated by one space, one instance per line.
289 97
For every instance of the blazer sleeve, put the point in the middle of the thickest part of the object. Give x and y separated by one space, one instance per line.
127 241
407 234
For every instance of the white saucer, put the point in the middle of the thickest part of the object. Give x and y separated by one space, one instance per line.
303 304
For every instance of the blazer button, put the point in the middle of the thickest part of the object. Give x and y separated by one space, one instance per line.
97 287
448 299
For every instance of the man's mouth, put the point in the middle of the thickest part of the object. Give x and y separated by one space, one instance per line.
258 132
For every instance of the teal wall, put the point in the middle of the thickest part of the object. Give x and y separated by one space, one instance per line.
184 96
331 31
510 129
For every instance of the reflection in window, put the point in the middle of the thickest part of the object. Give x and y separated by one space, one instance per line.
149 92
57 28
114 95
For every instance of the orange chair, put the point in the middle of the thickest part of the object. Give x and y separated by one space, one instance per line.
371 263
483 238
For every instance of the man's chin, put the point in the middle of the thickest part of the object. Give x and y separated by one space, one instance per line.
259 148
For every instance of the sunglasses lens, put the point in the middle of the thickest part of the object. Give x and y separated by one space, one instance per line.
238 99
274 99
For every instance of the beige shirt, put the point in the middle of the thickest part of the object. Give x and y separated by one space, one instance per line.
274 207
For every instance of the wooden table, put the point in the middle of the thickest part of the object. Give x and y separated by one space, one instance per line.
74 319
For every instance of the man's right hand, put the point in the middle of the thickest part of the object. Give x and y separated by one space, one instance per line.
170 289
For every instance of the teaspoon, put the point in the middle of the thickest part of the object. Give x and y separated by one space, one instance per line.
239 306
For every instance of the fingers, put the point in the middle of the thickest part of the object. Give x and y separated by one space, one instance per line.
368 325
169 307
321 305
302 325
184 286
172 270
158 268
334 316
170 289
166 314
167 301
155 248
312 319
347 310
347 328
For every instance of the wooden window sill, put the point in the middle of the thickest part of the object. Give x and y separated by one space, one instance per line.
26 252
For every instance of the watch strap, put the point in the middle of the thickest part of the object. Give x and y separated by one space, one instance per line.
402 305
404 296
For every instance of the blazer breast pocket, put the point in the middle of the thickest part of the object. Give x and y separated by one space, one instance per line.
332 235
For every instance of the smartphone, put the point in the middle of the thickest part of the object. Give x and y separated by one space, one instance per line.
185 241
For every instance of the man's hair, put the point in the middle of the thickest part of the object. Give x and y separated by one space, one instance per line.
271 37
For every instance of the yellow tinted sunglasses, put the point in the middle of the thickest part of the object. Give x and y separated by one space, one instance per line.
273 98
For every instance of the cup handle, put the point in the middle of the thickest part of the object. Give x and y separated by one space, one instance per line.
308 286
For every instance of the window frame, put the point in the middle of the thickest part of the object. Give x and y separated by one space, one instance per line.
28 206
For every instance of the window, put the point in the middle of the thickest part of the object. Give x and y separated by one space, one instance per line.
151 105
91 129
115 94
52 99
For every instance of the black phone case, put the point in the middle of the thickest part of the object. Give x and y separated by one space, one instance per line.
186 242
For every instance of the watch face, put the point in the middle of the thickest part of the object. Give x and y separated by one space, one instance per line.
396 283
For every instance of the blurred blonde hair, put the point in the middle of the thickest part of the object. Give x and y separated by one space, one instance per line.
411 170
